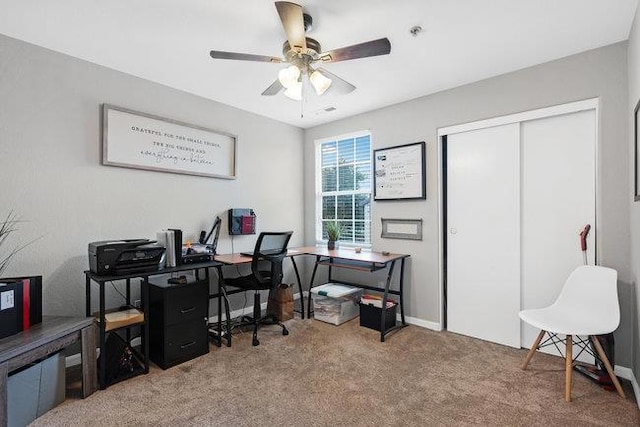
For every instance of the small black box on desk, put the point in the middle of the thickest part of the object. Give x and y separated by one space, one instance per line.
370 316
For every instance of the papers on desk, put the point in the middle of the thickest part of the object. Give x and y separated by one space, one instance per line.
376 301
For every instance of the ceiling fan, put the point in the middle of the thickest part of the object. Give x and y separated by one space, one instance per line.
303 52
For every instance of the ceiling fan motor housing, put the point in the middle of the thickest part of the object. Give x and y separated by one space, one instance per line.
303 58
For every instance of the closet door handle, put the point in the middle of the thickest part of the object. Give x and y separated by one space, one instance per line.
187 310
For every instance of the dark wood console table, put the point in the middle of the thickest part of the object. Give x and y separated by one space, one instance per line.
43 339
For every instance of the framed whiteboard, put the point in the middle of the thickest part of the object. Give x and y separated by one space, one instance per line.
399 172
137 140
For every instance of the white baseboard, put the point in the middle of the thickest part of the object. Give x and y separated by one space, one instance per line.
627 374
434 326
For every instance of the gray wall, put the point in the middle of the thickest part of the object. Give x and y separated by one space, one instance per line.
634 96
51 174
598 73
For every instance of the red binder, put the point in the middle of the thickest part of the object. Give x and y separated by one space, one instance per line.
247 224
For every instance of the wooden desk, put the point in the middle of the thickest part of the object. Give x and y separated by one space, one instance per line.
342 258
363 261
43 339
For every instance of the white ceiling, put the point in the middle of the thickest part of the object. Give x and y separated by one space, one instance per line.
168 41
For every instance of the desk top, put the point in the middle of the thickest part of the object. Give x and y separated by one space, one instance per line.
346 254
165 270
50 329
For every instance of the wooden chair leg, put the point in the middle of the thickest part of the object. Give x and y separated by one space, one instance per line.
534 347
607 364
568 369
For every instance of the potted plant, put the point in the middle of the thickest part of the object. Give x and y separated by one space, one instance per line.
8 226
334 229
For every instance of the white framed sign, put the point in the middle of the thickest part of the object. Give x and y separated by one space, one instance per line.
410 229
143 141
399 172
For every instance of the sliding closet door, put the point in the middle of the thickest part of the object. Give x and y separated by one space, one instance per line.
558 188
483 234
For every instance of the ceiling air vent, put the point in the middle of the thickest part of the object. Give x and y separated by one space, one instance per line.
324 110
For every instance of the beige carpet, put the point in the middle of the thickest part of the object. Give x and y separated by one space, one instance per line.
326 375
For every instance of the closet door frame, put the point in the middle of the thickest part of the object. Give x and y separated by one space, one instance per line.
556 110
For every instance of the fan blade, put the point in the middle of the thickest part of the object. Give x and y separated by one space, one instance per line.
362 50
337 84
293 23
218 54
274 89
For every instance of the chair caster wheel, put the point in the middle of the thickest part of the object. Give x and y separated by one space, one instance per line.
285 331
255 342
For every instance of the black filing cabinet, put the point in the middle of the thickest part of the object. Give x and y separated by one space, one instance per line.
178 323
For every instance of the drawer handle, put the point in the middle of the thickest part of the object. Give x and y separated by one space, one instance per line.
189 344
187 310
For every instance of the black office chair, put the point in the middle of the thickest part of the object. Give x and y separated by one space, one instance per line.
266 273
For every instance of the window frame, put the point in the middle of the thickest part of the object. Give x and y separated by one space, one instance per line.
319 193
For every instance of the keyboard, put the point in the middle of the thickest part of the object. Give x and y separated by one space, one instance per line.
265 252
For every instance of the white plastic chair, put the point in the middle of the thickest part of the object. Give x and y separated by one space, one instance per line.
586 306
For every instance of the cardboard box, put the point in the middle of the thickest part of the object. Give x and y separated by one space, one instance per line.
280 302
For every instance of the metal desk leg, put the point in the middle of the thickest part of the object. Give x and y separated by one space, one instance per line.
103 360
313 276
384 302
145 328
295 268
401 284
128 294
88 294
227 314
216 340
219 327
222 293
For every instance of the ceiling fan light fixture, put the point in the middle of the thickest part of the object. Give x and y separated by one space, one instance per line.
320 82
289 76
294 91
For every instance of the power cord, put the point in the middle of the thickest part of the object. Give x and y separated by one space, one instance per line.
121 294
237 321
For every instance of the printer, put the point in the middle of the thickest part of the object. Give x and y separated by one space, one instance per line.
126 256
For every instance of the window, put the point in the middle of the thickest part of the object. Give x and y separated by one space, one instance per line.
343 175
